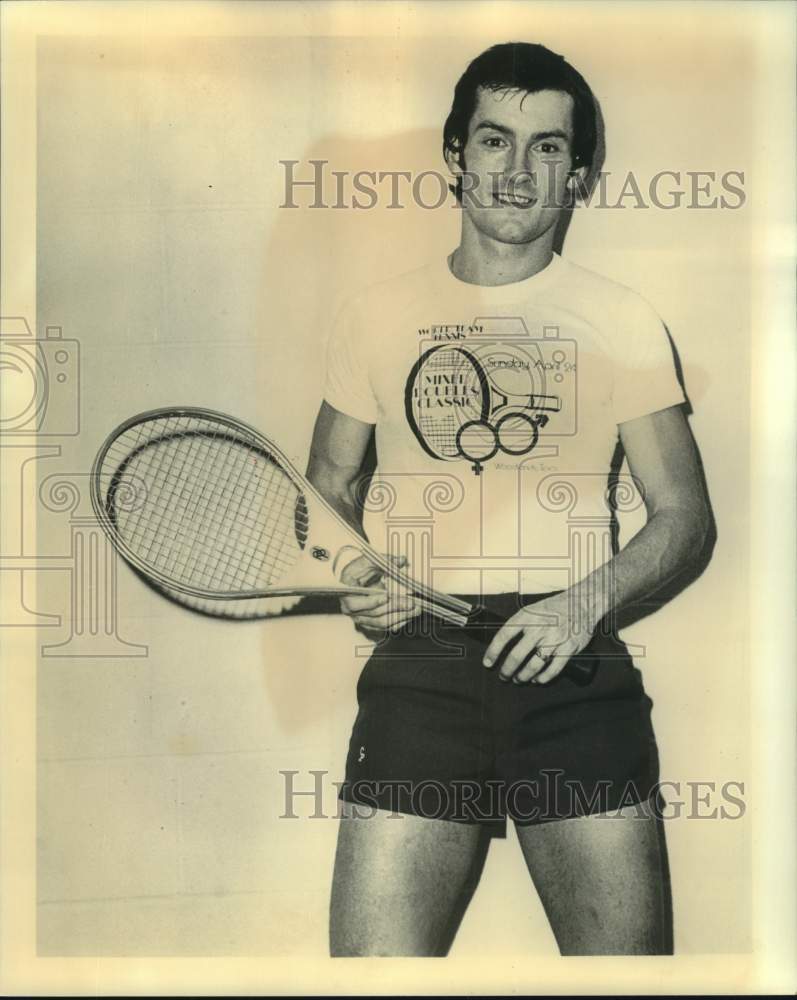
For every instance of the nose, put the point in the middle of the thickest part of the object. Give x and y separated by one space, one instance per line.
521 170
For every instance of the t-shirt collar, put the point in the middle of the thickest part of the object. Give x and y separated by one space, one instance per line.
514 290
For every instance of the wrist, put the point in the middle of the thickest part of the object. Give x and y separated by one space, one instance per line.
592 596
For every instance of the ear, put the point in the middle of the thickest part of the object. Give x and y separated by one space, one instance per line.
576 178
452 161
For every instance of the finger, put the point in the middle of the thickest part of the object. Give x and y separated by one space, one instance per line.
396 591
384 603
359 570
355 603
363 571
401 606
504 635
518 655
395 600
392 620
346 557
533 667
401 602
401 620
381 620
554 667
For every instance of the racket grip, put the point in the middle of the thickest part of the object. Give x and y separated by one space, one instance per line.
483 625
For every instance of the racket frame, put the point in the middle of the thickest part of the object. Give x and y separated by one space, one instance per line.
445 606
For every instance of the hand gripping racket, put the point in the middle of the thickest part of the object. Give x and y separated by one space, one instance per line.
213 515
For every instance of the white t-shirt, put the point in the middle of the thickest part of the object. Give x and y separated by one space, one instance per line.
496 412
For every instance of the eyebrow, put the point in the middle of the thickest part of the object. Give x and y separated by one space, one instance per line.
554 133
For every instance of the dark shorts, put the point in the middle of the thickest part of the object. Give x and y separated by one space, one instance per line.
439 735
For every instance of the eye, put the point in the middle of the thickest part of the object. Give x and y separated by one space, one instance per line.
548 148
495 141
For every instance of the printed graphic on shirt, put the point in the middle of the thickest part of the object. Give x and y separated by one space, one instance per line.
481 396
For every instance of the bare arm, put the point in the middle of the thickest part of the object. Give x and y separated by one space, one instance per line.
336 457
662 457
337 451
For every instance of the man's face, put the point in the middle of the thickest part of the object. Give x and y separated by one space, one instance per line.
517 159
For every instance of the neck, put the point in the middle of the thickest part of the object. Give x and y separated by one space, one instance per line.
480 260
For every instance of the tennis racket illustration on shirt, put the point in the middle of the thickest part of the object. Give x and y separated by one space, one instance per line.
452 404
213 515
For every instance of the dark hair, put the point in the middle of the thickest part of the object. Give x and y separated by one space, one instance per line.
522 66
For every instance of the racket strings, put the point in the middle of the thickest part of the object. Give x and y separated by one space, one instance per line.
223 514
215 511
197 562
202 500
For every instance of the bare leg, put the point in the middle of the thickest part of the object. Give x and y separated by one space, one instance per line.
604 882
402 883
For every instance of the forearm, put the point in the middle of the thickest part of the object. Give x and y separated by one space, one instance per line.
341 496
334 467
670 540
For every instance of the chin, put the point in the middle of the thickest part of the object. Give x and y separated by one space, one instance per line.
516 235
516 231
519 238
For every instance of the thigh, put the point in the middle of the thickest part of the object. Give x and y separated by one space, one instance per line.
401 883
604 882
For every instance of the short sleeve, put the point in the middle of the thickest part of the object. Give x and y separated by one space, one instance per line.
348 387
644 368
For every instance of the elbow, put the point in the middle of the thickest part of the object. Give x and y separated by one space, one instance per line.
335 485
700 535
691 532
327 484
324 475
706 528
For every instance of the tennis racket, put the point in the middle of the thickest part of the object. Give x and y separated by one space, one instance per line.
214 516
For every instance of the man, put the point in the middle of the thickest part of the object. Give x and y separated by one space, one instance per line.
505 731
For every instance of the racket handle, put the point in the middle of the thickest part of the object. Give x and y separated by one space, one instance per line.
483 625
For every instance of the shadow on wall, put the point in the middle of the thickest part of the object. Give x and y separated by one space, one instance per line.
316 259
590 181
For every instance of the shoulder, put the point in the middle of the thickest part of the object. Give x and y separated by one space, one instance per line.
362 321
608 292
396 293
617 313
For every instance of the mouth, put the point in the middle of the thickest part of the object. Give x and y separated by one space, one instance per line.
514 200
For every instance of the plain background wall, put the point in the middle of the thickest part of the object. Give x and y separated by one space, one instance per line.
161 248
